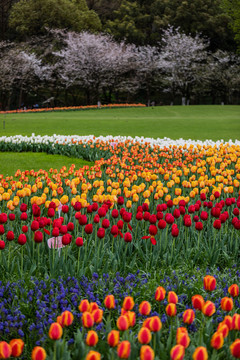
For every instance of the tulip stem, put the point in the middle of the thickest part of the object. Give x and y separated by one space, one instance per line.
55 351
78 260
22 260
9 254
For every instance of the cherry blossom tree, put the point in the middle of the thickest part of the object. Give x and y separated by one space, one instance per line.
95 62
182 59
19 70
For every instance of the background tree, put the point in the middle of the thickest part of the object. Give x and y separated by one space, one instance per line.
233 9
94 63
5 7
33 17
20 71
182 61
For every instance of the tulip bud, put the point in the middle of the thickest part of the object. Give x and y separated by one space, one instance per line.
67 318
227 304
17 347
92 338
113 338
228 321
223 328
128 303
160 293
93 355
84 305
198 302
92 306
233 290
145 308
124 349
55 331
236 322
209 308
217 340
209 283
188 316
131 317
87 319
200 353
146 353
183 339
155 324
5 350
171 309
122 323
97 315
235 348
109 302
39 353
177 352
172 297
144 336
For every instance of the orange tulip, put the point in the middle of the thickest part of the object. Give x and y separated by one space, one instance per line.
124 349
171 309
217 340
155 324
122 323
128 303
235 348
66 318
144 336
146 353
228 321
87 319
200 353
188 316
109 302
198 302
38 353
172 297
177 352
223 328
160 293
233 290
97 315
84 305
209 308
55 331
92 338
17 347
236 322
113 338
227 304
209 282
145 308
93 355
5 350
182 338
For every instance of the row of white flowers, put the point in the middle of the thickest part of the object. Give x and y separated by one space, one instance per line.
69 139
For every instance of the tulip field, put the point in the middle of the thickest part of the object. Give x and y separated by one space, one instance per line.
135 256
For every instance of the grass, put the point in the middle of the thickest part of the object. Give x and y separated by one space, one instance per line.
189 122
11 162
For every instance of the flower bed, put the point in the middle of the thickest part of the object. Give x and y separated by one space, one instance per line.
71 108
125 304
146 205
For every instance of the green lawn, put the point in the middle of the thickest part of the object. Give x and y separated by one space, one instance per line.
194 122
11 162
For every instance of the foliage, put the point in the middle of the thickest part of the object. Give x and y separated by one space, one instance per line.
34 17
233 9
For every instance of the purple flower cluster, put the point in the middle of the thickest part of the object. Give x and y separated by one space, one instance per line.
27 308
